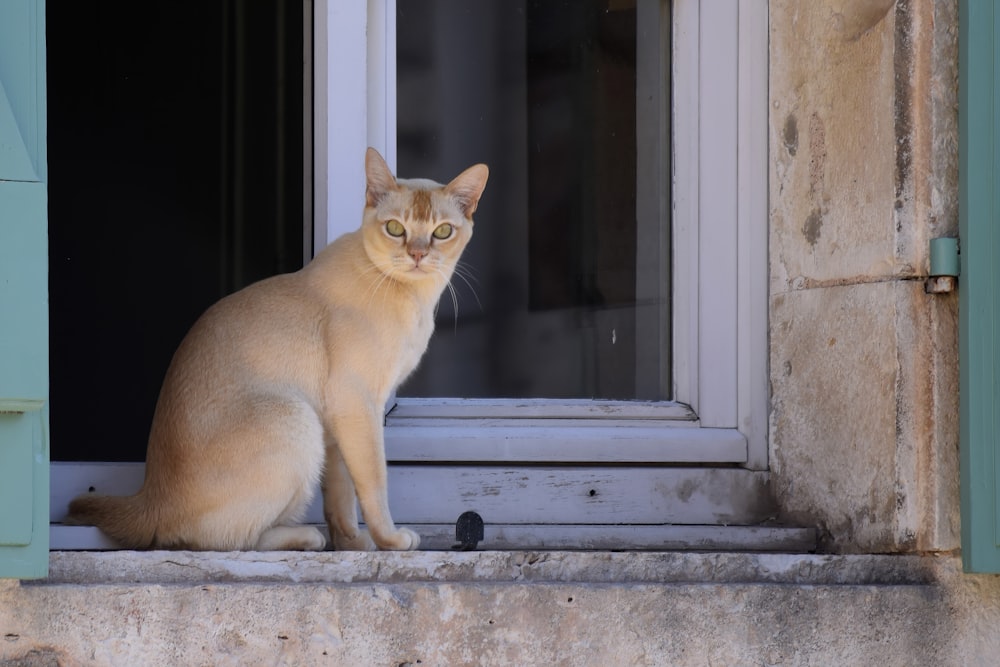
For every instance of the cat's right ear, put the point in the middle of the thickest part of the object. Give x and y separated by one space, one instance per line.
380 180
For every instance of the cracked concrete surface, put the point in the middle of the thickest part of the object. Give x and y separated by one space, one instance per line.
499 608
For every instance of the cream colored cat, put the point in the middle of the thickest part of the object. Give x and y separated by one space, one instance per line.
283 383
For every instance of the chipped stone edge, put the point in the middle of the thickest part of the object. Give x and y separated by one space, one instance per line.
185 567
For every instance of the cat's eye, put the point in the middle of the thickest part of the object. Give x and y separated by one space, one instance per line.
443 231
395 228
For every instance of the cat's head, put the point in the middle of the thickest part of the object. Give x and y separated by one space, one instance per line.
415 230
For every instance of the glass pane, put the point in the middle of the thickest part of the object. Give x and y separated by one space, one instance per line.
550 291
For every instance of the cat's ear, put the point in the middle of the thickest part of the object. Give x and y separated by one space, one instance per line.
467 188
380 180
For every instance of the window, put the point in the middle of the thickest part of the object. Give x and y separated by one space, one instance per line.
567 470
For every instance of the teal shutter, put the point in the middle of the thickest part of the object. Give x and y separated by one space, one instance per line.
24 372
979 292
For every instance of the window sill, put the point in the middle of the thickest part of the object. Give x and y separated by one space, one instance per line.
439 539
185 567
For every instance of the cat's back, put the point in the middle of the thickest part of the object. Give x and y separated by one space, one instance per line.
297 328
274 306
269 329
280 322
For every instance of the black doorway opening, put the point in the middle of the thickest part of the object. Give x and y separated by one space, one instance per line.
177 145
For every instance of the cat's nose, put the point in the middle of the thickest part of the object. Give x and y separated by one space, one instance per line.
418 254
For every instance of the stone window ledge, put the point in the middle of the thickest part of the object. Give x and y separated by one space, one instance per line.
601 567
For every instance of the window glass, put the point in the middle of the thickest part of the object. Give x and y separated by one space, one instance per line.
548 292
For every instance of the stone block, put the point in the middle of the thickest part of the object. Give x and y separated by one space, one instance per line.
864 415
834 371
833 127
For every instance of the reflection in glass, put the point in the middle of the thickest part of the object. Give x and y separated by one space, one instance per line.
551 296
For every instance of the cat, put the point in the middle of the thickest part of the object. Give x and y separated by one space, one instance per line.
283 384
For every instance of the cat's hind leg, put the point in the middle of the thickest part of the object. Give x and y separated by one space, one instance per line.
299 439
269 458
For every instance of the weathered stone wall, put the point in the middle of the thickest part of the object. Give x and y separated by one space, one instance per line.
863 142
487 608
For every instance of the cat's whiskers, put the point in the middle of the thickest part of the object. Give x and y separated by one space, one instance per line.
371 269
451 291
466 274
454 302
376 284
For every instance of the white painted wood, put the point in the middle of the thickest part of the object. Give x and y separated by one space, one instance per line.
591 444
718 275
720 214
540 423
381 98
496 408
582 431
752 316
79 538
341 116
685 187
355 106
441 537
436 494
68 480
514 494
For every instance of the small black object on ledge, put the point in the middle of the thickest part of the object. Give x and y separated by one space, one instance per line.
468 531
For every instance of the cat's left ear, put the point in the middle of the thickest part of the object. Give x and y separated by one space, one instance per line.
380 180
467 188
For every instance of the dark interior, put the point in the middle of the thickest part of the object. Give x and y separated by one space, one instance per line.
176 139
544 91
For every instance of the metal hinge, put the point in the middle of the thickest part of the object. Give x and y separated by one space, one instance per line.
945 266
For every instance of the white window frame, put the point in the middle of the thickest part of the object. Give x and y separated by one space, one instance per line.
513 470
720 231
719 225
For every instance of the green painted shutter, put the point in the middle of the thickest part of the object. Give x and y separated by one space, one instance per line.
24 372
979 293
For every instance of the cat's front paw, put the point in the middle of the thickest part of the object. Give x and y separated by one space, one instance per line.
360 542
403 539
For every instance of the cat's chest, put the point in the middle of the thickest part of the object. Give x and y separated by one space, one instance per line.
414 345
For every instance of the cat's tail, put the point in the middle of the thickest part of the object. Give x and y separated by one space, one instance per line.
125 519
